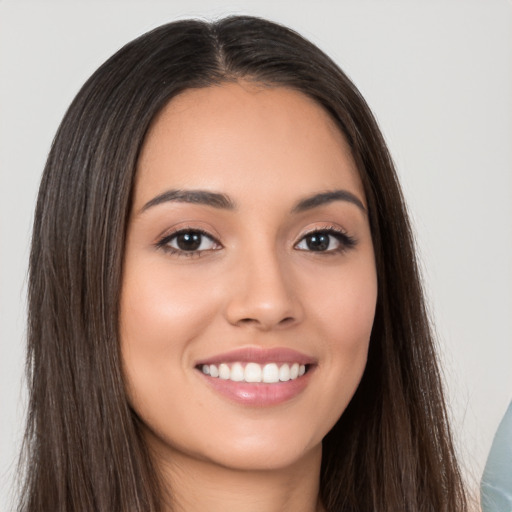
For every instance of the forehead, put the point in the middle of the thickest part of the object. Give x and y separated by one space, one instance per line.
237 137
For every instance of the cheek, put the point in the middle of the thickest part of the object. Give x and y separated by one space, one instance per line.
159 304
162 313
343 303
343 315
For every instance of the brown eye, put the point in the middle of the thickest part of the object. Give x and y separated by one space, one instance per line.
318 241
328 241
188 241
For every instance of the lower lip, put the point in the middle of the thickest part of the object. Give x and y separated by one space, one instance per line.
259 394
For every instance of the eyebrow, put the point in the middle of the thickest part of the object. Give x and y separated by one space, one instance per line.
323 198
222 201
204 197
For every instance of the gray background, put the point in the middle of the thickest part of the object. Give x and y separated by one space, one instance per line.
438 75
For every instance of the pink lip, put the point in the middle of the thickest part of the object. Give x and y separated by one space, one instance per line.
259 394
259 355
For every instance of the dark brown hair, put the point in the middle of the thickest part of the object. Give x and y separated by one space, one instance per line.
390 451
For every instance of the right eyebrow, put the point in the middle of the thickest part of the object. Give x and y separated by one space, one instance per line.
205 197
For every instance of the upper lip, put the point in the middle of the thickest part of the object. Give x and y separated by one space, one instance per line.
259 355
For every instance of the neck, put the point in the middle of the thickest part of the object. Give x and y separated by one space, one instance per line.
198 485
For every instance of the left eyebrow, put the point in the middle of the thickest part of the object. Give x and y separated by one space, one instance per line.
324 198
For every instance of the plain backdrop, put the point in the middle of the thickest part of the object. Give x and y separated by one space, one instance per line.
438 76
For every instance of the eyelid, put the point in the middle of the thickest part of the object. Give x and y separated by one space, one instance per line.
189 225
345 239
163 241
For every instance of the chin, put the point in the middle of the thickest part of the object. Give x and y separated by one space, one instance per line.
264 447
281 455
264 456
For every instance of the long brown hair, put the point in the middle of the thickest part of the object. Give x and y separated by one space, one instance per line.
390 450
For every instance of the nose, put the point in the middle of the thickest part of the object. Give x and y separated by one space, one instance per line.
263 293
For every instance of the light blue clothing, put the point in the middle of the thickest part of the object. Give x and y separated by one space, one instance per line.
496 485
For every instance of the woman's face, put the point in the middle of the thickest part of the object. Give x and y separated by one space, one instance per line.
249 283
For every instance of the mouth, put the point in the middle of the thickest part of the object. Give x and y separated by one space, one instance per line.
258 377
252 372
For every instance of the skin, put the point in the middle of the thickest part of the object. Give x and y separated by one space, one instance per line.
255 283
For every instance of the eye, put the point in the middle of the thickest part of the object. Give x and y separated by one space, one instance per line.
326 240
188 242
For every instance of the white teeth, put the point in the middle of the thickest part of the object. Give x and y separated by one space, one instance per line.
224 371
253 372
284 373
270 373
237 372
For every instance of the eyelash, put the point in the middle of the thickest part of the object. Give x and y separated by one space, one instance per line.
164 242
346 241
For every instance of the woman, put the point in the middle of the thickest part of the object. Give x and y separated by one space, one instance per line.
225 308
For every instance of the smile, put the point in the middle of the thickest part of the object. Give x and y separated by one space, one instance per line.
252 372
256 376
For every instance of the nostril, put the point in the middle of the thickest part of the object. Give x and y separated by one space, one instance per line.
284 322
247 321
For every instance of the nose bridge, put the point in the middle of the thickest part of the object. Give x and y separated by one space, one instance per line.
263 291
